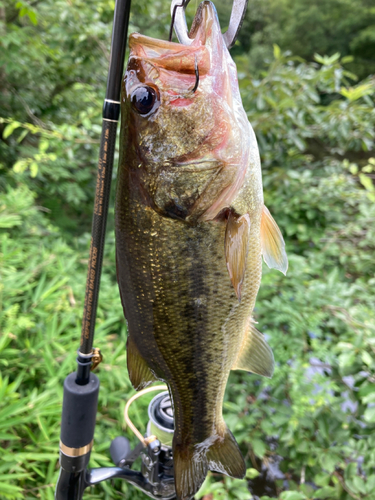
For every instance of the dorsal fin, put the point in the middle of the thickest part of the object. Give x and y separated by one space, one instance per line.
236 247
255 355
272 243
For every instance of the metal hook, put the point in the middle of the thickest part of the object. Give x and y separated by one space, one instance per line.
180 26
173 12
196 76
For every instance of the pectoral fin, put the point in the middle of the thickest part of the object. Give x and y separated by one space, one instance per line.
236 247
139 372
255 354
272 242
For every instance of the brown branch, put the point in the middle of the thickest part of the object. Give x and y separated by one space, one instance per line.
34 118
349 319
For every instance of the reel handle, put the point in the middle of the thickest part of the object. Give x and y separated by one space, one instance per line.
120 450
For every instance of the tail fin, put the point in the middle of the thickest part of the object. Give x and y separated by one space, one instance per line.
191 464
190 470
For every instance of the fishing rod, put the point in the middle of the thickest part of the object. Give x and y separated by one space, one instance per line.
81 388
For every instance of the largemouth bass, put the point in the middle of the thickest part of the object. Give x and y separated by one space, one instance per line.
191 228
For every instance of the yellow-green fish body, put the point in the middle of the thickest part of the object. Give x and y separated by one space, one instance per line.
191 228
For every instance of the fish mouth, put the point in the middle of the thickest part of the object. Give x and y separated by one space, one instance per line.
171 56
196 165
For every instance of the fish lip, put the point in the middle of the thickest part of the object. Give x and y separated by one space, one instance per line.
137 39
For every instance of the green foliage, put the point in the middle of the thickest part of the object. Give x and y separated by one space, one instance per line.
54 58
320 318
42 286
315 128
306 28
226 489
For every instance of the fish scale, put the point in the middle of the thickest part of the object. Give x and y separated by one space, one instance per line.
169 265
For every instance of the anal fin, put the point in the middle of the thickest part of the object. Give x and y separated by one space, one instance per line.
255 354
224 456
139 372
272 243
236 247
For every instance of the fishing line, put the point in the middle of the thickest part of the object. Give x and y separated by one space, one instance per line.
129 423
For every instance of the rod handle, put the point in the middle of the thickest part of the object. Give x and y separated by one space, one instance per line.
78 415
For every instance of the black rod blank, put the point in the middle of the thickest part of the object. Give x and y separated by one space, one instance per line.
111 112
119 39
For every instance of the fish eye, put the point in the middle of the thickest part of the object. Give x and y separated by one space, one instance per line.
143 99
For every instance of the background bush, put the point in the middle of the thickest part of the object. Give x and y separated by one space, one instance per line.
314 121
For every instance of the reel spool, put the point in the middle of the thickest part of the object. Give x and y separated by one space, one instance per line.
161 423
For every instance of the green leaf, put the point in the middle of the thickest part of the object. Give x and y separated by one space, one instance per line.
325 492
329 461
22 135
20 166
32 16
10 489
347 59
252 473
327 60
367 358
355 93
369 415
9 220
356 484
366 182
259 447
351 470
292 495
34 169
370 484
10 128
